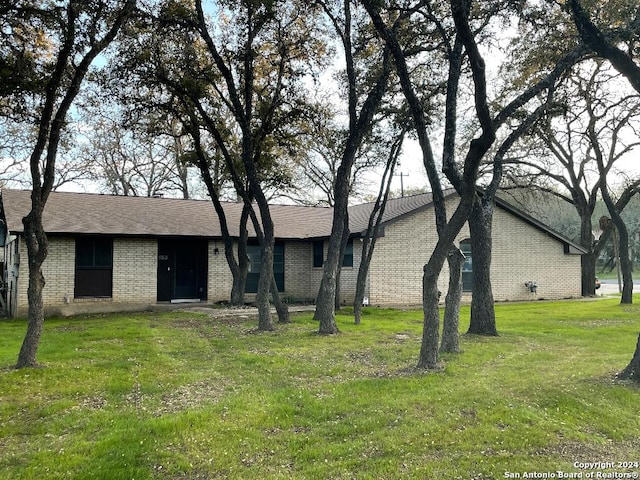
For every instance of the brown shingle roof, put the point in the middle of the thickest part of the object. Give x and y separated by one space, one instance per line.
86 213
395 209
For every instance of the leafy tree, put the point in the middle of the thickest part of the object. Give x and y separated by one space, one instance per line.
447 228
617 41
565 160
375 218
258 80
164 66
607 42
24 48
67 38
458 37
540 53
238 82
367 72
483 319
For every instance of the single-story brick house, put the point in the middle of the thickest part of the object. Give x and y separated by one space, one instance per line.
110 253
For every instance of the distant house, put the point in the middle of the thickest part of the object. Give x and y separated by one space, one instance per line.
110 253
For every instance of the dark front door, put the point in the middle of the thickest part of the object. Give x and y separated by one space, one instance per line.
182 269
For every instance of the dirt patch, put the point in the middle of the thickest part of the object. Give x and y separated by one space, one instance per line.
69 328
190 396
580 452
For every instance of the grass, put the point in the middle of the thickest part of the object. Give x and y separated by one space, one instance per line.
181 395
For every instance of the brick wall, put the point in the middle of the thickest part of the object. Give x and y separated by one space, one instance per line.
219 280
521 253
134 276
135 270
58 270
298 272
135 273
348 275
395 273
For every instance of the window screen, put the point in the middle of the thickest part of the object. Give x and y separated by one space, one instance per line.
94 267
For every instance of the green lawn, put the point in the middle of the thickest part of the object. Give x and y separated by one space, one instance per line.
185 396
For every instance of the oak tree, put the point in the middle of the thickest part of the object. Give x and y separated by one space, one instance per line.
461 47
69 36
367 72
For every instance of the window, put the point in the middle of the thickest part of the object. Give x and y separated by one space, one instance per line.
94 267
467 266
347 260
278 265
318 253
254 252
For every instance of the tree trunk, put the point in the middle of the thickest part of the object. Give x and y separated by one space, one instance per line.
368 244
240 267
28 351
343 247
428 358
264 229
358 127
239 271
338 297
267 279
588 262
429 350
326 299
281 308
37 247
483 317
62 86
264 286
632 371
450 343
325 303
625 264
588 269
465 183
623 233
239 279
430 332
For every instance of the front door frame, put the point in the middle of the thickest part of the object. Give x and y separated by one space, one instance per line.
182 269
